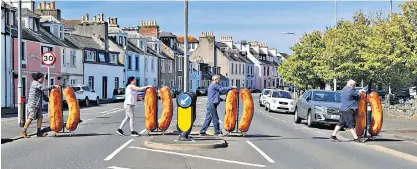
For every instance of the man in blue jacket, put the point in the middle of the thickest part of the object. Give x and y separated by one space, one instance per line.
348 110
213 100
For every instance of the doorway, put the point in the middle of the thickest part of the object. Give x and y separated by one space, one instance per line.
104 87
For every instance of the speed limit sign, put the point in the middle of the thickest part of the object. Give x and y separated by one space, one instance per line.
48 58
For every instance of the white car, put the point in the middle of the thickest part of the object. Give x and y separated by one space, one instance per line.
280 101
85 95
262 98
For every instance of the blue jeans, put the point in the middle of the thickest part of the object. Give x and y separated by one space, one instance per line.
211 114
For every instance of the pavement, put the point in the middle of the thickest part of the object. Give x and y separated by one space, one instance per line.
273 141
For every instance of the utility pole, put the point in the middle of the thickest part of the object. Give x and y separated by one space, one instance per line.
390 8
335 26
186 64
20 108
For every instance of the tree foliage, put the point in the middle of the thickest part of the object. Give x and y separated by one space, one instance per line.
381 49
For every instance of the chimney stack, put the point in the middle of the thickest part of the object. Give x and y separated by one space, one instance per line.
149 28
43 5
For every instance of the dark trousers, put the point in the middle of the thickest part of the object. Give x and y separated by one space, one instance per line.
347 119
211 114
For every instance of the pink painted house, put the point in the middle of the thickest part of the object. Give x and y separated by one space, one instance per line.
35 41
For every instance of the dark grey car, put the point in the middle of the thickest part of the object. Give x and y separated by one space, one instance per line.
318 106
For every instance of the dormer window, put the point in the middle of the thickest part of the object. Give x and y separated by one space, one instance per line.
112 58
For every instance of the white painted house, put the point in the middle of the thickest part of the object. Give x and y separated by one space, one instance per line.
103 71
147 61
8 27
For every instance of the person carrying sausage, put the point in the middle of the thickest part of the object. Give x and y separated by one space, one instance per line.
347 111
129 104
213 100
35 104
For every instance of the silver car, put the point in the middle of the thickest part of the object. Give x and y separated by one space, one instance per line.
318 106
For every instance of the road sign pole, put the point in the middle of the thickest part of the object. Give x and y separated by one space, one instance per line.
49 76
20 107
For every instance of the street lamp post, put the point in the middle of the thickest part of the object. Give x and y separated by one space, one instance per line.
295 42
186 64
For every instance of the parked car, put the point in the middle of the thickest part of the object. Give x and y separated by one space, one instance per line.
175 92
84 94
118 94
413 92
201 91
280 101
253 90
262 97
318 106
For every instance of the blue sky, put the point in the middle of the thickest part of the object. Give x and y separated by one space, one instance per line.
260 21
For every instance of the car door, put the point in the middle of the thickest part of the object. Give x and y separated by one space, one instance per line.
309 103
304 104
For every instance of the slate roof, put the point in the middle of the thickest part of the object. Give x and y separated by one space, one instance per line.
232 55
83 41
285 55
166 34
114 29
131 47
70 24
40 36
27 12
253 51
153 52
190 39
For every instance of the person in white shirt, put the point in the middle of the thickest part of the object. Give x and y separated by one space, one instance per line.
129 104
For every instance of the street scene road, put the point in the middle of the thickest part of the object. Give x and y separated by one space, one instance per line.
273 141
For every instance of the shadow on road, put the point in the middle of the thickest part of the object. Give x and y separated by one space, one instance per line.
83 135
383 140
253 136
6 140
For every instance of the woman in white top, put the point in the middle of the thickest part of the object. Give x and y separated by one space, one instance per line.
129 104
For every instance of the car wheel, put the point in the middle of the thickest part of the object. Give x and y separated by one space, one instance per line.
266 107
310 119
86 102
97 101
269 108
297 119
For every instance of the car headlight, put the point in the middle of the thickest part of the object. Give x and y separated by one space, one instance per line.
273 101
319 108
291 103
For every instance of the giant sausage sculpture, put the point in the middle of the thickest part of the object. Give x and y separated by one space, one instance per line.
360 117
231 110
377 114
55 110
151 109
73 109
248 109
167 108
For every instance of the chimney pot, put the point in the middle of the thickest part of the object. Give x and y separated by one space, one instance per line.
86 17
95 18
39 6
43 5
115 20
82 19
108 20
53 4
48 6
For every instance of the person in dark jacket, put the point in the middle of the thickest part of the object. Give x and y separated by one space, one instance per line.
34 105
213 100
348 110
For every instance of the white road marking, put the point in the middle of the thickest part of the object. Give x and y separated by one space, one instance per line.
260 152
197 156
320 132
143 131
114 167
117 150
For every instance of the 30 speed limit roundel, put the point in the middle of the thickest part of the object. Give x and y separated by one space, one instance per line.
48 58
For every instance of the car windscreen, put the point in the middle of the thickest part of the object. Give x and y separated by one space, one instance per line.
285 95
266 92
325 96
